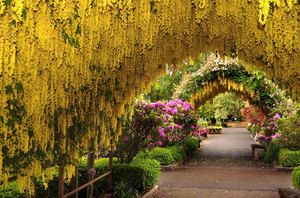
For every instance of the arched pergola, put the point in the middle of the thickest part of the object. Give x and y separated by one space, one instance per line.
221 75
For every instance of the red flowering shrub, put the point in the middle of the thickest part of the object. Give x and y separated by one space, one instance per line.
254 116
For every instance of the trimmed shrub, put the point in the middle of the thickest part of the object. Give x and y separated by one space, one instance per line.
190 145
162 155
296 178
289 158
177 153
139 175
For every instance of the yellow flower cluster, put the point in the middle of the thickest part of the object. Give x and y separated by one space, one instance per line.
91 57
212 89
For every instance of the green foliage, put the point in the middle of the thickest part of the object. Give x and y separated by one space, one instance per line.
162 155
289 130
289 158
122 190
215 129
177 153
228 105
166 84
296 178
190 145
11 191
204 124
164 88
271 154
207 111
139 176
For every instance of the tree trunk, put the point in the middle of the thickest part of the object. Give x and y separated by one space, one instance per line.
90 165
61 182
110 169
74 182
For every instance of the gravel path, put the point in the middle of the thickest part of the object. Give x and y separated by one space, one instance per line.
223 167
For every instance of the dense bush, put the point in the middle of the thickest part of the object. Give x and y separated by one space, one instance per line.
139 175
190 145
288 129
296 178
177 153
155 124
162 155
173 153
289 158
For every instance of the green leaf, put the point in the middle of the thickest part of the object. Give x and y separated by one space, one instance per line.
19 87
13 22
7 3
78 30
24 12
9 89
151 5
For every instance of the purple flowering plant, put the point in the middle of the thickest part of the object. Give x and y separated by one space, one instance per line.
155 124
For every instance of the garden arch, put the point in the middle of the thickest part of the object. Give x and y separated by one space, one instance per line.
221 75
97 55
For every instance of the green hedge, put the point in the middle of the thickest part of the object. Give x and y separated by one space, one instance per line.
177 153
140 174
162 155
289 158
173 153
215 129
190 145
296 178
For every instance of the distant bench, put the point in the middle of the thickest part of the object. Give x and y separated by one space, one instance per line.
255 150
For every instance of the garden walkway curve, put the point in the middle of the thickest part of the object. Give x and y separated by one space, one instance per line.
223 167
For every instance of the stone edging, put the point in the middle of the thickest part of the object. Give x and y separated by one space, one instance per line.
149 192
172 166
282 168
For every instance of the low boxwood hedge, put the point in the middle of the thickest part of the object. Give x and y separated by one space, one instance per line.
177 152
173 153
162 155
140 174
289 158
296 178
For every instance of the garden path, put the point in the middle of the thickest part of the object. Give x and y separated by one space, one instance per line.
223 167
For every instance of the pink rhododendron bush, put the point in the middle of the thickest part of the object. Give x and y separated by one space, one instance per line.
285 126
155 124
